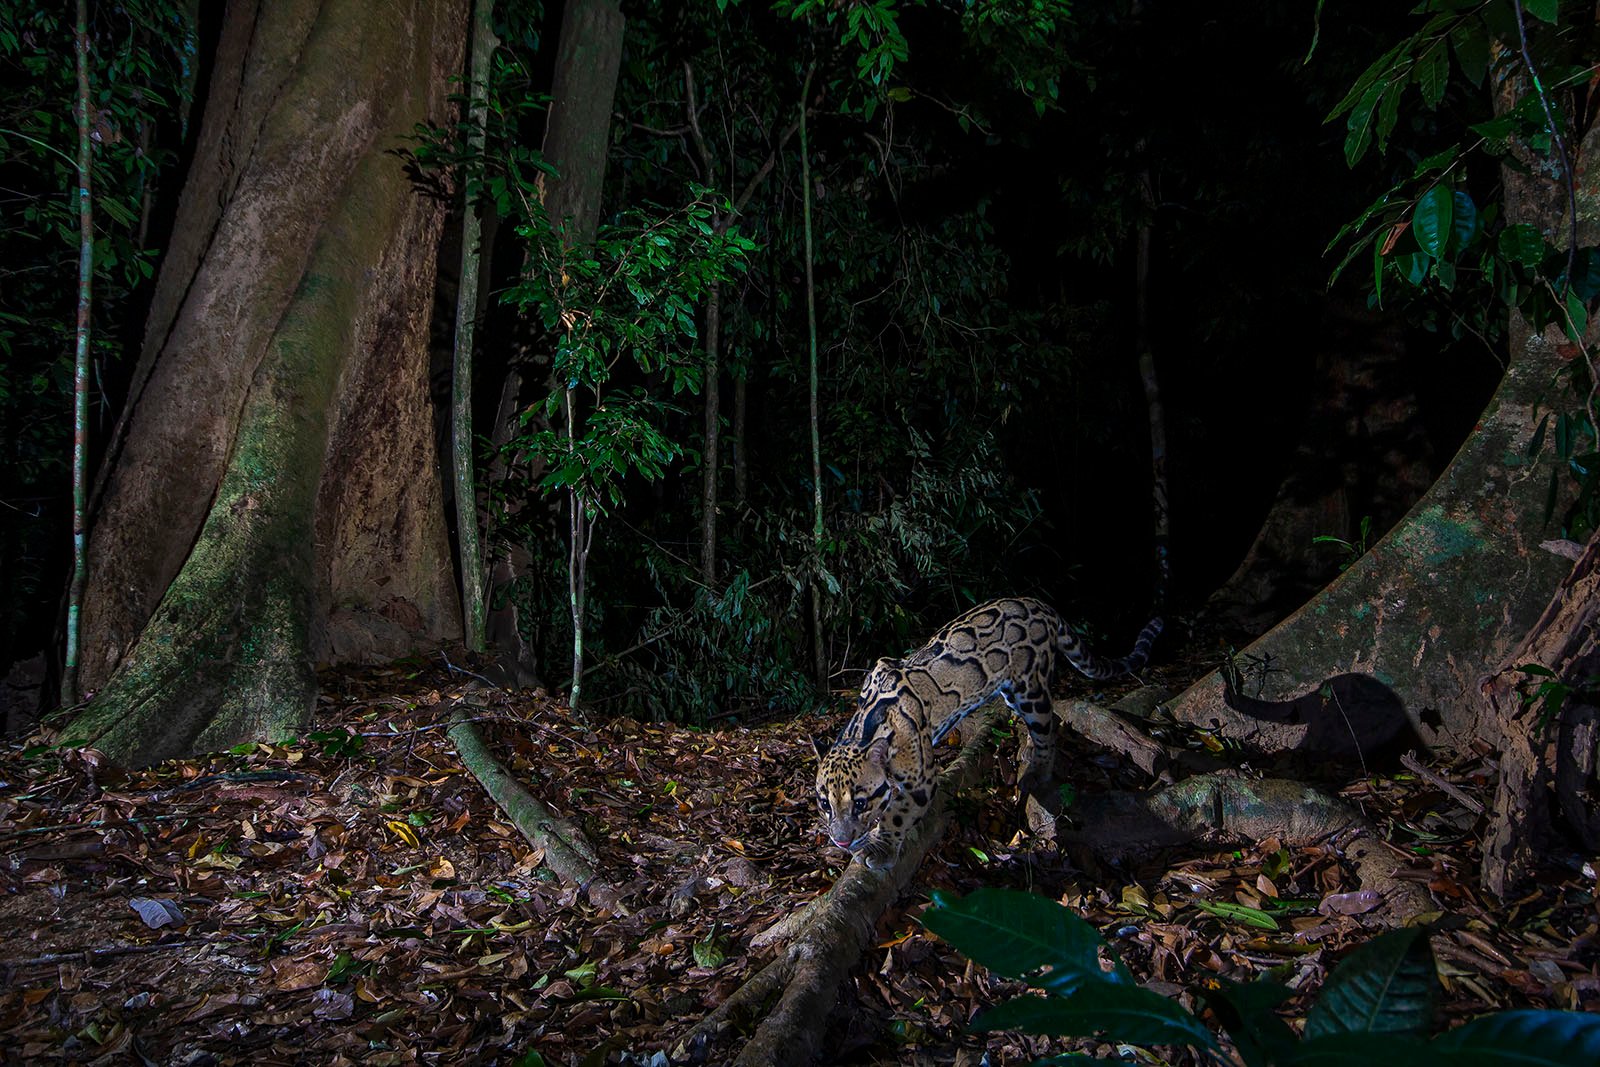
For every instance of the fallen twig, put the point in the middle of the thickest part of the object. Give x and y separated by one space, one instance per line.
88 956
1465 799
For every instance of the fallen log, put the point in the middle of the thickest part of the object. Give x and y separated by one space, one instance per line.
566 851
1224 810
827 940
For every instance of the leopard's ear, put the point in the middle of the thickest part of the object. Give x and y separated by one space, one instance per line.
820 745
878 751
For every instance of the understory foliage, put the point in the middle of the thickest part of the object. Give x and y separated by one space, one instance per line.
141 56
1377 1006
924 362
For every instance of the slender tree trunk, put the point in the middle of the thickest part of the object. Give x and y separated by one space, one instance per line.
576 141
1152 394
80 366
712 466
577 562
741 448
467 303
272 499
819 661
711 459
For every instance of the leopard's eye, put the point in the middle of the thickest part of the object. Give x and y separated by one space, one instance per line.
861 805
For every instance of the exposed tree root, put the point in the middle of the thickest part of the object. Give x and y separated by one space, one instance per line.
566 851
828 938
1225 810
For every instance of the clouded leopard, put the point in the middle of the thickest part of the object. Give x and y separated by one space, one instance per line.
877 779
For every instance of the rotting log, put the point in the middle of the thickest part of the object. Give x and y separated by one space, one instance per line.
1110 730
1223 810
566 851
830 937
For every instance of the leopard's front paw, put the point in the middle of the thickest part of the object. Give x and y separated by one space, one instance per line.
878 854
1034 780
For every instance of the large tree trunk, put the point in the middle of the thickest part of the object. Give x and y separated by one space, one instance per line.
1405 636
273 495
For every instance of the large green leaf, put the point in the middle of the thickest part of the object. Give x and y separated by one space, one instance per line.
1122 1012
1018 934
1542 9
1248 1013
1471 43
1432 72
1531 1038
1431 219
1386 986
1359 1050
1522 243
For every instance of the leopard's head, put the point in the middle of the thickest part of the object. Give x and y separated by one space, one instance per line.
853 788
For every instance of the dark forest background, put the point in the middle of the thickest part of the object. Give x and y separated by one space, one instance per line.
978 204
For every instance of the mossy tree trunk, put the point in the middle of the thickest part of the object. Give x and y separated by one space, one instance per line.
1405 637
272 495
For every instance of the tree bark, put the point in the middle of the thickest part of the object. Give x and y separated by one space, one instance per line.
1546 760
577 133
272 497
468 306
1454 587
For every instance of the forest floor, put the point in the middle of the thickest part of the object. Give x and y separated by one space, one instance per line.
357 898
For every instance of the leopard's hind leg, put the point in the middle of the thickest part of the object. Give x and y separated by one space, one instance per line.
1032 706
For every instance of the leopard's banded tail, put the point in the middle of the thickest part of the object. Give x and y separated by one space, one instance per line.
1100 668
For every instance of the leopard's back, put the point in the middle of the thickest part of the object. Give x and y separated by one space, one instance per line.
878 778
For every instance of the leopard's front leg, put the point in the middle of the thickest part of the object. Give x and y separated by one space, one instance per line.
883 844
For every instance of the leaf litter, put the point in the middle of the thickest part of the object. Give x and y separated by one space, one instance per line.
355 897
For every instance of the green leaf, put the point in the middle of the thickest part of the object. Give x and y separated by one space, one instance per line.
1471 43
1387 986
1576 318
1544 10
1521 243
1430 221
1531 1038
1017 934
1239 912
1247 1013
1464 227
1432 73
1358 128
1121 1012
1345 1050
